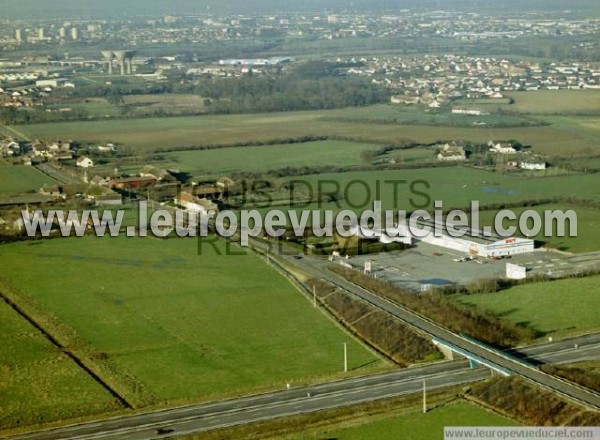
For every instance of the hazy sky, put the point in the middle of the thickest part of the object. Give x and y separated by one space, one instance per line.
97 8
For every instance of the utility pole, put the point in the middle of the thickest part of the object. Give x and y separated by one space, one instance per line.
314 296
424 397
345 357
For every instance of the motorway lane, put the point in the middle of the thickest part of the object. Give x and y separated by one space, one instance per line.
307 404
295 401
582 348
277 397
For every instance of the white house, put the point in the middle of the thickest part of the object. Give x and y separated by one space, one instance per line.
533 165
501 147
108 148
467 111
193 204
452 152
85 162
9 148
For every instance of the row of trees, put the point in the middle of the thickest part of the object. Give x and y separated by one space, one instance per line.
265 94
387 335
530 404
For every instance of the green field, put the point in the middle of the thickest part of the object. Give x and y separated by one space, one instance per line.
588 228
543 102
21 178
186 326
416 426
558 308
223 161
93 107
455 186
419 115
156 133
167 102
557 101
39 383
134 105
577 126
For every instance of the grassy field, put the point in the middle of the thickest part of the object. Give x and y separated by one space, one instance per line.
543 102
558 308
39 383
155 133
94 107
455 186
557 101
168 102
181 323
419 115
21 178
588 228
580 126
416 426
136 105
223 161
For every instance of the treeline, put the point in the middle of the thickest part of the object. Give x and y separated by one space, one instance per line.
580 376
288 92
491 285
449 122
471 321
386 334
14 116
530 203
287 172
529 404
256 143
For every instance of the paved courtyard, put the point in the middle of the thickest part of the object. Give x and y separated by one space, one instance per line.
425 264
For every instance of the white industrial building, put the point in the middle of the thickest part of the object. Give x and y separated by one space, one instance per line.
273 61
473 242
488 247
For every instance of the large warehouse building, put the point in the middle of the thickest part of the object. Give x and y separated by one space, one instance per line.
473 242
483 246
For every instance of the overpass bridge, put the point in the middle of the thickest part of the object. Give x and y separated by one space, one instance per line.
449 350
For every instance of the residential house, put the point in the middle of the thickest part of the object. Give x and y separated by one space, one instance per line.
452 152
51 190
132 182
108 148
225 182
99 181
533 165
85 162
467 111
157 173
108 199
207 191
193 204
501 147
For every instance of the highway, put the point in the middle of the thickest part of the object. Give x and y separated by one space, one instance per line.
207 416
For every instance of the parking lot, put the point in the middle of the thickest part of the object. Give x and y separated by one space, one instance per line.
425 264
